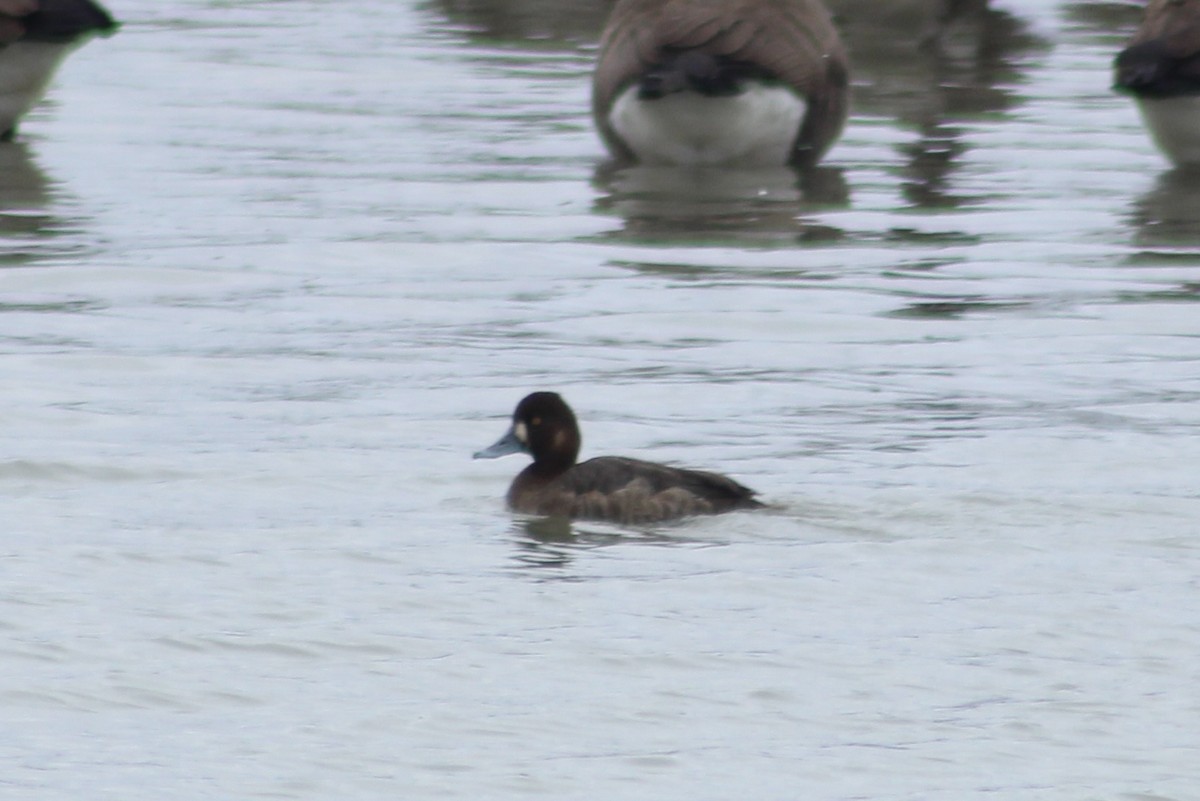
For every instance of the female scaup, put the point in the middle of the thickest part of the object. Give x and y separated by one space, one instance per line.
35 36
607 487
720 83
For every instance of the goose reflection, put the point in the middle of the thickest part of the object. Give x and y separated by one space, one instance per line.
536 24
23 185
768 205
930 65
1168 216
1108 19
30 230
901 71
24 195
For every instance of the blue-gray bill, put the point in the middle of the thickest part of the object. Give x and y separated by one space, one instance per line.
506 445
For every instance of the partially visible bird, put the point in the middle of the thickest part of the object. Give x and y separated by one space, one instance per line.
35 37
1160 68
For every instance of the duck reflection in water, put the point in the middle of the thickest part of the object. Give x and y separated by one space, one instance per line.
552 543
35 37
611 488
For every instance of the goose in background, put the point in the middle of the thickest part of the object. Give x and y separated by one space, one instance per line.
35 37
720 83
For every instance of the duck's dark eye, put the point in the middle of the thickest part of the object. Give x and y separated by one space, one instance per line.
537 421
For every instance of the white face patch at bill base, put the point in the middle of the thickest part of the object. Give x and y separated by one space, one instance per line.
756 128
521 433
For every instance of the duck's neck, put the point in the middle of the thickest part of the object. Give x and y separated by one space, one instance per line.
532 480
549 468
551 462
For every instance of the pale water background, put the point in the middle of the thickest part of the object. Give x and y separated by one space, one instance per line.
270 272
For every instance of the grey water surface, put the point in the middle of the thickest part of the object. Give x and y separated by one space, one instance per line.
271 271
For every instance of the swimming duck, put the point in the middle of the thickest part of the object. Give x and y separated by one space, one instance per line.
728 83
1160 67
35 37
607 487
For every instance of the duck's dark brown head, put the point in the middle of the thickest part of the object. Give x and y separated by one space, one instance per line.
544 427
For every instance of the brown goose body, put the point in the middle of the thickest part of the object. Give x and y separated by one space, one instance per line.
654 51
